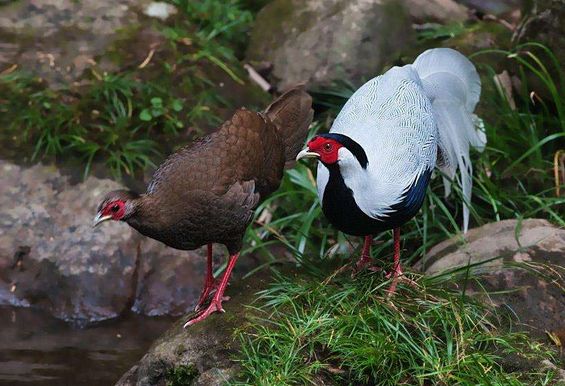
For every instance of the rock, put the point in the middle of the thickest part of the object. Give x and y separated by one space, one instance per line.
52 259
202 354
49 255
494 7
339 39
160 10
51 34
438 11
527 278
166 278
334 39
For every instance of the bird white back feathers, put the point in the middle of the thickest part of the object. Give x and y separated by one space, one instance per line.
408 121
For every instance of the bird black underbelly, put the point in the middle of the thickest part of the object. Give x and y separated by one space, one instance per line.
342 211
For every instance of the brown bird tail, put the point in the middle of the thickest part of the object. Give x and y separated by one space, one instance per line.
292 114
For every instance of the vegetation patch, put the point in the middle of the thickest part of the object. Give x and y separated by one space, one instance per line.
334 330
181 375
127 119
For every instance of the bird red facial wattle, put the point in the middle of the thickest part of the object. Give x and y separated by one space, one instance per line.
326 148
115 209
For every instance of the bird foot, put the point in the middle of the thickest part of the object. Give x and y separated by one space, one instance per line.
364 262
209 288
397 277
215 306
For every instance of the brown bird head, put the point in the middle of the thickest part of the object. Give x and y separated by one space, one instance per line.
117 205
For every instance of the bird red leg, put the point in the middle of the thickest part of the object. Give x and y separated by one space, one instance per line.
216 303
210 283
365 258
396 270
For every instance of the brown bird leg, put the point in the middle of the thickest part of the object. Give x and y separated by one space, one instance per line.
396 270
210 284
216 303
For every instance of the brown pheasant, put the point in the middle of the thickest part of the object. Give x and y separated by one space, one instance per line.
206 192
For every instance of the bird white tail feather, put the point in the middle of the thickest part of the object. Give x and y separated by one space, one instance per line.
452 83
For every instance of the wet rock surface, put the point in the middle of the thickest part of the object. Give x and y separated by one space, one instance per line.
522 266
52 259
201 354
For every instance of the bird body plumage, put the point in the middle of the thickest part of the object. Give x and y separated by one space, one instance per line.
401 119
206 192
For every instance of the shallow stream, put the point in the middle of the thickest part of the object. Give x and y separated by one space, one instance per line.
36 349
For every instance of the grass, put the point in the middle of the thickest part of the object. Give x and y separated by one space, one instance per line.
182 375
321 327
334 330
123 119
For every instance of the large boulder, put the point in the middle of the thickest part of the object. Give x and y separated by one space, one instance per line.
339 39
520 262
52 259
495 7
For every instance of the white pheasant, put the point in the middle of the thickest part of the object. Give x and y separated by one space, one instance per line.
377 159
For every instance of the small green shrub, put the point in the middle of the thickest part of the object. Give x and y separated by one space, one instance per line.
183 375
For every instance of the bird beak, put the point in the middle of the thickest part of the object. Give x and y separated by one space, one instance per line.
306 153
100 219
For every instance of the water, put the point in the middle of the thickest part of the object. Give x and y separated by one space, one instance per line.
36 349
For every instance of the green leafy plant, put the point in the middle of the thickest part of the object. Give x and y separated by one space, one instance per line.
159 113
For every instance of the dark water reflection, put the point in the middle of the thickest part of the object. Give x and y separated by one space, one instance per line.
36 349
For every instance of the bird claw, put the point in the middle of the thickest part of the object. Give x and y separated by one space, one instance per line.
215 306
397 278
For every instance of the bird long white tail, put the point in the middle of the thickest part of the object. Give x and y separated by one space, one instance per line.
452 83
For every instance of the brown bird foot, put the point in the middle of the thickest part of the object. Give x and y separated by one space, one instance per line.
216 303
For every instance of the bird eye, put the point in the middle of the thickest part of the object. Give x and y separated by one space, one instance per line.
327 146
115 208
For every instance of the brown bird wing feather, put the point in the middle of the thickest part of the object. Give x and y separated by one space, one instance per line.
206 192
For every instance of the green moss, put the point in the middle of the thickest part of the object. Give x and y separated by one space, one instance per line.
180 349
184 375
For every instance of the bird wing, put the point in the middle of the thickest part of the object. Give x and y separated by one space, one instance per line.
391 118
246 147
